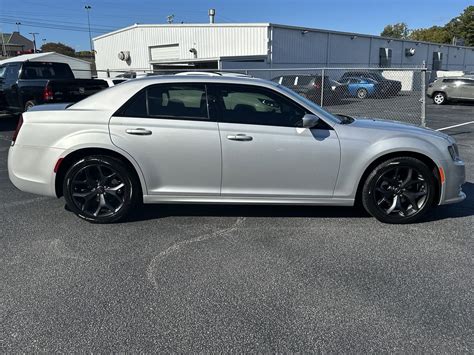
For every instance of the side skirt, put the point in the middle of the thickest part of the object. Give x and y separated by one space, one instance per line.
247 200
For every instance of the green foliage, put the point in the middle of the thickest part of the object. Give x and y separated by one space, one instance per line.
460 27
58 48
435 34
398 30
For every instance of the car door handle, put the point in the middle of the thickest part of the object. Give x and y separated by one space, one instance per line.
239 137
138 131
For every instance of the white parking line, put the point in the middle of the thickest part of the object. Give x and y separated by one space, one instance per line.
456 125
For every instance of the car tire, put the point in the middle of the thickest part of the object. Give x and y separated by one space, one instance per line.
439 98
362 93
100 189
399 190
29 104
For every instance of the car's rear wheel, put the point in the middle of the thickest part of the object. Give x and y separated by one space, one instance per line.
439 98
362 93
399 190
100 189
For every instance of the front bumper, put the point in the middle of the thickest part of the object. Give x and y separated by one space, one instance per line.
455 177
31 169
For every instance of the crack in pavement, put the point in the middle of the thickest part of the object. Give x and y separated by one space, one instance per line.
179 245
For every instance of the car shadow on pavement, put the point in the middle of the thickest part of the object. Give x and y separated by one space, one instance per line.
8 122
148 212
155 211
457 210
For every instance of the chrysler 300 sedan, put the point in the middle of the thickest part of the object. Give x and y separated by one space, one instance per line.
231 140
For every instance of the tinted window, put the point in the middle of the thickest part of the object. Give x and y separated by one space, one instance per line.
253 105
181 101
178 101
136 107
2 72
11 72
46 71
118 81
288 80
305 80
448 80
467 82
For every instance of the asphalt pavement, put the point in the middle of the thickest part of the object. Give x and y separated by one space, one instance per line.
237 278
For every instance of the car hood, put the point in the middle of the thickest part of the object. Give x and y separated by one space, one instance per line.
395 126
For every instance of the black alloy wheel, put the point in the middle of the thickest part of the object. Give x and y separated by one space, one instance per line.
99 189
400 190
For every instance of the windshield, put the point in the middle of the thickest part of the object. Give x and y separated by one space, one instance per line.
314 107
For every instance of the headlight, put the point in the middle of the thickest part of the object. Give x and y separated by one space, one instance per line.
454 152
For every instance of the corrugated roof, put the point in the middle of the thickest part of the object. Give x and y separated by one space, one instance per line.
36 56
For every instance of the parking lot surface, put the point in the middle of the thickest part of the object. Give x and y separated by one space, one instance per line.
237 278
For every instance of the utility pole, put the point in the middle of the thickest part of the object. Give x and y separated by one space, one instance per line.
88 8
4 49
18 26
34 39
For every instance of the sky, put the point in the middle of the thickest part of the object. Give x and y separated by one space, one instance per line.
66 20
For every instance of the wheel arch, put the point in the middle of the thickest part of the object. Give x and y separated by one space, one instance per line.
72 157
424 158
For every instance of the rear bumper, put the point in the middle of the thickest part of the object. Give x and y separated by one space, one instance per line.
31 169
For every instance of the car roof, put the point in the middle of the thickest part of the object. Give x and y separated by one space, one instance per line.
114 97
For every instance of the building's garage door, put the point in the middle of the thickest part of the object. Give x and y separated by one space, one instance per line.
165 52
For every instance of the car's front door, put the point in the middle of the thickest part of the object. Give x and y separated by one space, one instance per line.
266 152
466 90
167 130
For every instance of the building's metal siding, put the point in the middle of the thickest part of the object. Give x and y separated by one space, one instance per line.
299 47
209 41
290 47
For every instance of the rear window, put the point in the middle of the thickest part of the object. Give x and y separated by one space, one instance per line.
46 71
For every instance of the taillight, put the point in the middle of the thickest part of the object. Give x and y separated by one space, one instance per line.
48 93
17 130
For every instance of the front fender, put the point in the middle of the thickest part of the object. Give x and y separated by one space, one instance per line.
356 160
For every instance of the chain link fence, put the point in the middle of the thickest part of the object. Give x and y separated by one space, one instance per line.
394 94
386 93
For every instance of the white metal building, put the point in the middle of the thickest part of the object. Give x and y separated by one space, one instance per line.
264 45
80 68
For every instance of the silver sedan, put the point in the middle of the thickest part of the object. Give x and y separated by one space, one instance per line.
232 140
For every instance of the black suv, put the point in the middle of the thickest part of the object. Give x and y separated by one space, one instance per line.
390 87
309 86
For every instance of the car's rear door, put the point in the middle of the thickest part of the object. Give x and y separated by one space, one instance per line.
265 152
166 128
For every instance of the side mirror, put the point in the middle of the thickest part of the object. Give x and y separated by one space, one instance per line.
309 120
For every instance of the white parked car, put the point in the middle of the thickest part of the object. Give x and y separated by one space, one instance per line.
221 139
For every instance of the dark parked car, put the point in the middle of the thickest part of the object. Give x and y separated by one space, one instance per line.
309 86
391 87
26 84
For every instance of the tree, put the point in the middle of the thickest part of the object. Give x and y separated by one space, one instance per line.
435 34
58 48
464 26
460 27
398 30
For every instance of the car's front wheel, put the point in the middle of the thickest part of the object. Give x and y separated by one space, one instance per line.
399 190
100 189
